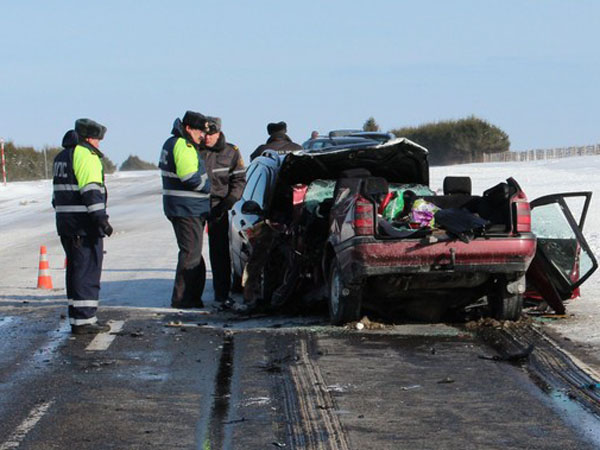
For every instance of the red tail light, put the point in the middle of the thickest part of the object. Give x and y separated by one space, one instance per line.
522 216
363 217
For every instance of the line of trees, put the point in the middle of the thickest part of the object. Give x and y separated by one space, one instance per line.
27 163
457 141
135 163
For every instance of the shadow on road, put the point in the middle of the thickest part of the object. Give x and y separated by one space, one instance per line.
161 270
147 292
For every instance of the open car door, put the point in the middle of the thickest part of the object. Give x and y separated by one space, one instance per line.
563 259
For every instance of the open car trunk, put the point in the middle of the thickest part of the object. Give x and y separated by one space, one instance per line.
403 164
409 210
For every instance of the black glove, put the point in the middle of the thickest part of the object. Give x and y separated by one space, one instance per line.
218 211
105 226
108 230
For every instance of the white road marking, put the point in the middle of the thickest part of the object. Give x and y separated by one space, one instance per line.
103 340
154 309
19 434
6 320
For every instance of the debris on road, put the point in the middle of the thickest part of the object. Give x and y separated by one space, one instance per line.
365 323
488 322
446 380
511 357
410 388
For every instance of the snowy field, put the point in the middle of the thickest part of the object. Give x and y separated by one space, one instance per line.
141 255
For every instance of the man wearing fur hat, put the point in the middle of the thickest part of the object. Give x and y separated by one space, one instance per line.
186 190
278 141
227 175
79 199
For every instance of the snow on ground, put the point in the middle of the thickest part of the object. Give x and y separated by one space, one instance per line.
141 256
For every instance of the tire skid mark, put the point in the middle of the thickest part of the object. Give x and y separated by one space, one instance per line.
319 427
574 389
220 408
293 417
556 368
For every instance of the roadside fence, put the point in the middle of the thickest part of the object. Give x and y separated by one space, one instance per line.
549 153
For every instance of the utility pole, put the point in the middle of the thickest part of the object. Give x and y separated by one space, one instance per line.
45 164
3 161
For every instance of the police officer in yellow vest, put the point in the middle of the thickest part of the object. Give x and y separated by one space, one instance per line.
79 199
186 190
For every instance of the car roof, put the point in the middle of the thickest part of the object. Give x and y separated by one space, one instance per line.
378 135
335 142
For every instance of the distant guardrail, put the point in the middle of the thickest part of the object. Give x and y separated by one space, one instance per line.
549 153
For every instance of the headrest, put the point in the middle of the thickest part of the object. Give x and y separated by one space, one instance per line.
457 185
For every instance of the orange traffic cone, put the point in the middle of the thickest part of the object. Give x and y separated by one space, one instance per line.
44 278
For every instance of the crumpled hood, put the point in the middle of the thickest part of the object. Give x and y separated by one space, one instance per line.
398 161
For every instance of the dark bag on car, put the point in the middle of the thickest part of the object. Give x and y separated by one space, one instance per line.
460 223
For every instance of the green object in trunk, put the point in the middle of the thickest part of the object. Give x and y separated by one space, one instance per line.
396 204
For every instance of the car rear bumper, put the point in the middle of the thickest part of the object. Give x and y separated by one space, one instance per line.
364 257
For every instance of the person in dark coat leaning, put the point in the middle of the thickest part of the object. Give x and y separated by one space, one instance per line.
227 174
278 141
79 198
186 190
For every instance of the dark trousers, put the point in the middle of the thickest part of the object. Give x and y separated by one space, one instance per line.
84 267
220 261
190 276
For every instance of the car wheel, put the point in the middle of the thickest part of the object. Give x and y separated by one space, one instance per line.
504 305
344 302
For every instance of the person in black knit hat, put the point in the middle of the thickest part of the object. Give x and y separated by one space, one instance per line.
278 141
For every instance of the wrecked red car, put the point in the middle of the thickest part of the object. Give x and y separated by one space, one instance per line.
360 227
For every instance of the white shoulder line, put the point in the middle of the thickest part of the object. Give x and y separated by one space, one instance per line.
103 340
32 419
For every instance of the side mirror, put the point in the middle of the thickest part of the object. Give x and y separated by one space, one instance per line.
251 207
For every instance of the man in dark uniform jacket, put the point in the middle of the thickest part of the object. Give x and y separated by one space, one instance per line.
227 175
278 141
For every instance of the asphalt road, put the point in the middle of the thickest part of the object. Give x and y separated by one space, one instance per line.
167 380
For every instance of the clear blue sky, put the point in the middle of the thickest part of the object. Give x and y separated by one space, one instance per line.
529 67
